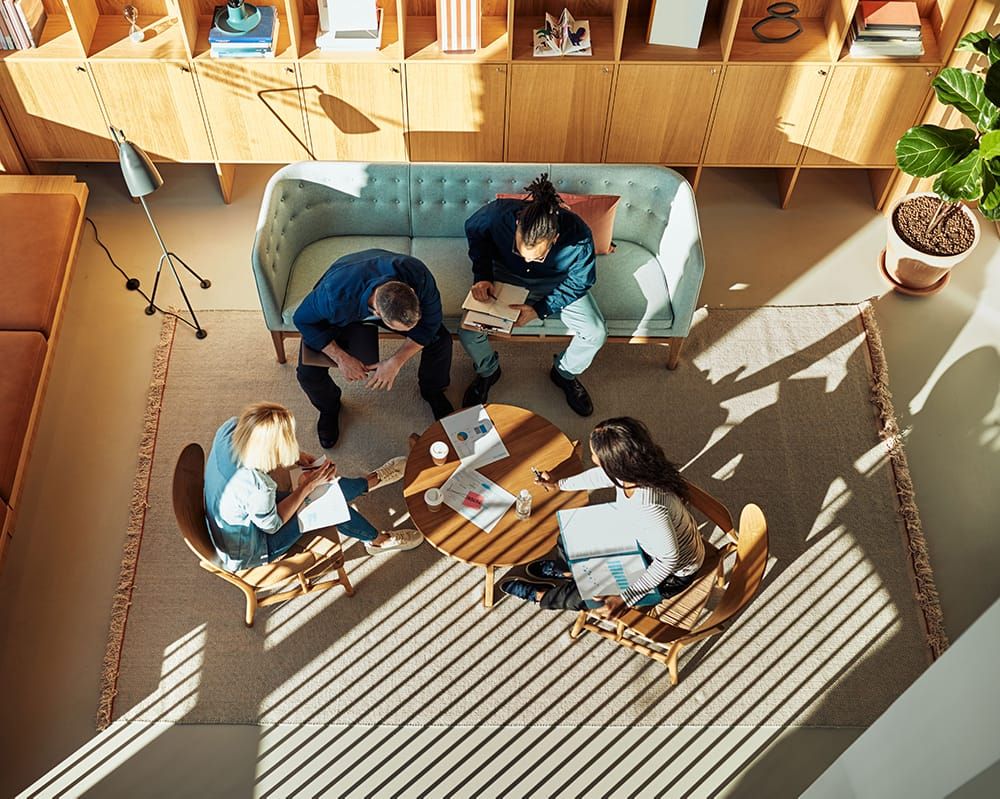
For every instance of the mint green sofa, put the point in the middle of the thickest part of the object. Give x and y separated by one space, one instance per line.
314 212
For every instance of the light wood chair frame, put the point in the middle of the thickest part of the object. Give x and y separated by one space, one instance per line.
663 641
305 565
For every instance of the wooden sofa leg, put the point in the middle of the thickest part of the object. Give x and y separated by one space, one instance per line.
279 345
674 356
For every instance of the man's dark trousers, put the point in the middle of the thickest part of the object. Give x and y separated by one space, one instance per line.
361 340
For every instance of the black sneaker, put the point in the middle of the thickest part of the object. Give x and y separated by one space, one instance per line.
328 429
440 405
576 395
479 389
523 589
546 570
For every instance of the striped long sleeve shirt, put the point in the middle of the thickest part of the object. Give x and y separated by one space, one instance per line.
662 525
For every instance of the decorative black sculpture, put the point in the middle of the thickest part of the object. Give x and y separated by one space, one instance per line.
778 12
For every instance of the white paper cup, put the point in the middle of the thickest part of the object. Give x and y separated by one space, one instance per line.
439 453
433 499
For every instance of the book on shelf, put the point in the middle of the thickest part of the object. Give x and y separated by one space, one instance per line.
886 30
257 43
21 24
563 36
6 39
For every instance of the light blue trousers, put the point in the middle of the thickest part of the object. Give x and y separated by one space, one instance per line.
585 322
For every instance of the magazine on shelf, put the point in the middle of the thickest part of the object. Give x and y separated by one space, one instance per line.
563 36
603 559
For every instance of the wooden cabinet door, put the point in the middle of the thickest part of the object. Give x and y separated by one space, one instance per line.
865 110
156 104
558 112
53 109
354 111
253 111
455 112
763 114
660 113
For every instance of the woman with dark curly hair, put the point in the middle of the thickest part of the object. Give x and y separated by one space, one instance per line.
540 245
651 494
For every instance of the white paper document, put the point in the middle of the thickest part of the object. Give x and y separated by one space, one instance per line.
506 295
474 436
477 498
325 506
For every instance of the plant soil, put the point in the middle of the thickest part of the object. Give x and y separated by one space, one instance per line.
952 234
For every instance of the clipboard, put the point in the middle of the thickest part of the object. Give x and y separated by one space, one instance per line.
484 323
311 357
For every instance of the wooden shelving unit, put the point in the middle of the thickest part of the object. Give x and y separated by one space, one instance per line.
731 102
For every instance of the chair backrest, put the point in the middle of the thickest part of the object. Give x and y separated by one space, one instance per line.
748 571
712 509
189 502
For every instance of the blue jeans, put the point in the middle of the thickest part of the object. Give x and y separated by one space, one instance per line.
282 540
584 320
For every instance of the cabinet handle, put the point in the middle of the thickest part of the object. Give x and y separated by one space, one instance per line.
81 69
501 69
821 71
928 72
606 70
714 71
289 69
186 69
394 69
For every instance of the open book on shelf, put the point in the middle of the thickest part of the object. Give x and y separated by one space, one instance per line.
563 36
495 315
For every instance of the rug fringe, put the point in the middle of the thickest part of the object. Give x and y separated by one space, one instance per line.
136 520
926 593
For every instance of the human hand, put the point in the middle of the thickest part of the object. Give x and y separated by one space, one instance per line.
305 460
311 478
483 291
544 479
384 373
525 315
352 368
613 605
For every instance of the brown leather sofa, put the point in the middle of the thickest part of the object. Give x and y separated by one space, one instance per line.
41 220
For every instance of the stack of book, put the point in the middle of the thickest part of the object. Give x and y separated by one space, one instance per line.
21 24
886 30
257 43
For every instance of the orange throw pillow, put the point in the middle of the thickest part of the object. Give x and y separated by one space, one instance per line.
597 210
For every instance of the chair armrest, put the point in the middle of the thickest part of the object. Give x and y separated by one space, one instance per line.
682 258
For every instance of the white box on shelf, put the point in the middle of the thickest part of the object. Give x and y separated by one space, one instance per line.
459 25
676 23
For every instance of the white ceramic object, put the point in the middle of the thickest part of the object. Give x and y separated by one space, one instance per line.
676 23
914 269
439 453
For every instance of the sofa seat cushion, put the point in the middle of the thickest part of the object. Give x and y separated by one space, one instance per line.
22 354
37 232
316 258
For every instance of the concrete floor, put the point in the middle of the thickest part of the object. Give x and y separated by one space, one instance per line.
57 583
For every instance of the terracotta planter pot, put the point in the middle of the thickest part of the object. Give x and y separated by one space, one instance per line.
913 269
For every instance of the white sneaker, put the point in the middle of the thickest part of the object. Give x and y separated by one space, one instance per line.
390 472
398 539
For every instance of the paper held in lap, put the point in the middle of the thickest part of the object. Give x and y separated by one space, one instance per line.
494 316
325 506
604 560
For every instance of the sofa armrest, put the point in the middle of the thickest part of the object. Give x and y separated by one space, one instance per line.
682 259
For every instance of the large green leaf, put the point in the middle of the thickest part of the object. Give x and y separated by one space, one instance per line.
926 150
989 145
989 203
966 92
977 41
991 88
963 181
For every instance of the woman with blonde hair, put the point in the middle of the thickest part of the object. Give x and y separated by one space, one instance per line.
250 520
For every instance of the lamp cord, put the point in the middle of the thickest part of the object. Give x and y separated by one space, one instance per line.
111 258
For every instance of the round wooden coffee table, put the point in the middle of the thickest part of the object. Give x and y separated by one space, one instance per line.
531 440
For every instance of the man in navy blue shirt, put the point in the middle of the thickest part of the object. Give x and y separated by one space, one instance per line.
341 315
541 246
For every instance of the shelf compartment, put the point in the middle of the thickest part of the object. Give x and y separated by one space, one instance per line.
422 42
932 51
163 39
392 49
602 41
283 51
636 48
58 40
810 46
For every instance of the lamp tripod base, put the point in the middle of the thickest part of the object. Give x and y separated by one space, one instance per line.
151 309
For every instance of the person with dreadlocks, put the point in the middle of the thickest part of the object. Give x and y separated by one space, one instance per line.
651 495
539 245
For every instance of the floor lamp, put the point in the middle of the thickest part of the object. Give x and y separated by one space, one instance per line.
142 178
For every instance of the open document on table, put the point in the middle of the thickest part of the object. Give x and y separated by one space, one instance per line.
474 436
476 497
602 557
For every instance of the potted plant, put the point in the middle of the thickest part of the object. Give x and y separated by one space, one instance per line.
931 232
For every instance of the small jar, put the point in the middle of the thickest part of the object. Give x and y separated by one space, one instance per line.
522 505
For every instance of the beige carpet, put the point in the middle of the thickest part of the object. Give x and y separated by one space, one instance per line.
773 405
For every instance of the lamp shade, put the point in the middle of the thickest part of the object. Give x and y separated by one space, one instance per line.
141 176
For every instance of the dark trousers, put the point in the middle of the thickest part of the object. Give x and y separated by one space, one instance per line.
565 595
361 341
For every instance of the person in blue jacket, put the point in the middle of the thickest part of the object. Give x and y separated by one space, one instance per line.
539 245
341 316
